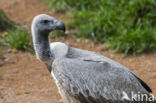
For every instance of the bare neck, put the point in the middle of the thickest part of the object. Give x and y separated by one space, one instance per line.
41 46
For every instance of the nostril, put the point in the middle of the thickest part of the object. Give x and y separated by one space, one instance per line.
52 21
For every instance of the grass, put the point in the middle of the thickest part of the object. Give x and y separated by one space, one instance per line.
1 76
134 41
5 22
12 36
17 39
57 34
127 26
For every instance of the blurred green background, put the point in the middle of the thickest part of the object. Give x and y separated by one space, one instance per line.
127 26
12 35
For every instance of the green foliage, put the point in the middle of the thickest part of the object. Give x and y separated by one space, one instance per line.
17 39
11 36
1 76
134 41
127 25
5 22
64 5
58 34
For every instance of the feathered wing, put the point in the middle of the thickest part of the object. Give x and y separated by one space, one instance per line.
94 81
94 57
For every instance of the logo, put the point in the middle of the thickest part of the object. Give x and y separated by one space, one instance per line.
138 97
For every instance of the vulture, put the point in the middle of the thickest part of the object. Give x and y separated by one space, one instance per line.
83 76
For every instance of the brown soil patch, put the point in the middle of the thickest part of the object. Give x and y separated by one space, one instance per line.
23 79
23 11
26 80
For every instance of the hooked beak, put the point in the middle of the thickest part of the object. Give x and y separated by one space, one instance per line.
59 25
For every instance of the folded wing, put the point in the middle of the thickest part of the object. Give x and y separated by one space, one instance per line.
96 81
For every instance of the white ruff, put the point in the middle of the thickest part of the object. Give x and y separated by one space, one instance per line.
59 49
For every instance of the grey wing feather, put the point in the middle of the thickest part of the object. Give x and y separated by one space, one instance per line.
143 84
94 57
95 82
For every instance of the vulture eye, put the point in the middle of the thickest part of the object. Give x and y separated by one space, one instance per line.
45 21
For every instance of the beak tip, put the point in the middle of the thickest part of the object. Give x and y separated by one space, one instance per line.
60 25
64 29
